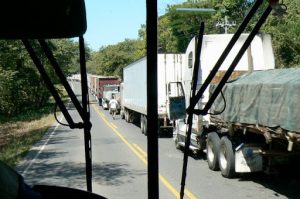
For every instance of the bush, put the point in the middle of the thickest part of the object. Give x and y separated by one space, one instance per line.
20 91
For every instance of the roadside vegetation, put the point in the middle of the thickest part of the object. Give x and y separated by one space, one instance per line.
26 106
19 133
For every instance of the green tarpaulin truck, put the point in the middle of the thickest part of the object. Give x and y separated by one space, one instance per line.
254 124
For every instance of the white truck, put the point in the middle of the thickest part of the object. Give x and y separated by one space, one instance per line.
171 98
259 56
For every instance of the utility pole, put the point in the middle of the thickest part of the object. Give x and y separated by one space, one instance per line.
225 24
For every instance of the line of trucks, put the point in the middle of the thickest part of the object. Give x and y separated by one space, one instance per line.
103 88
258 126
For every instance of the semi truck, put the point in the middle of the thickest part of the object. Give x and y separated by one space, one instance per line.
259 56
171 98
259 128
110 91
252 126
97 83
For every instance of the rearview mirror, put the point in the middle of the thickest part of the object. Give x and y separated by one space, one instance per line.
42 19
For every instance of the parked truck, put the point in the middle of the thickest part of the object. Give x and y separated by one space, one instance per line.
171 98
205 132
259 128
110 91
97 83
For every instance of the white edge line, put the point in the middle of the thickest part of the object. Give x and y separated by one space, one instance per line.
52 133
42 148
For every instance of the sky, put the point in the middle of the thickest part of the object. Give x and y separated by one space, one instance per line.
112 21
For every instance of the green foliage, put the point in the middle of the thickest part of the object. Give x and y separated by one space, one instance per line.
21 87
66 52
18 146
167 41
284 30
285 33
19 133
185 24
111 59
21 90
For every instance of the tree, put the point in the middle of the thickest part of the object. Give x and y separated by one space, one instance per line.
185 25
167 42
111 59
21 86
285 31
66 53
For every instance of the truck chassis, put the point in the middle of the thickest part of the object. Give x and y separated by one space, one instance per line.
240 148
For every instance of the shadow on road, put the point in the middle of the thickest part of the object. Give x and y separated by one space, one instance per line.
286 181
72 175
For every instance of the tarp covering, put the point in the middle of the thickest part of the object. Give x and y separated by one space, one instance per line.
268 98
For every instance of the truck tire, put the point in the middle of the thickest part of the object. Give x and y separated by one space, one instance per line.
142 123
122 115
176 140
126 116
226 158
145 126
212 151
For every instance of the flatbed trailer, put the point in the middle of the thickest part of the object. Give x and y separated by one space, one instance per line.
253 124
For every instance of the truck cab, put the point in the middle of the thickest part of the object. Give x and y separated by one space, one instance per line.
108 92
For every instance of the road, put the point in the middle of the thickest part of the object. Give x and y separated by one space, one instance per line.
120 165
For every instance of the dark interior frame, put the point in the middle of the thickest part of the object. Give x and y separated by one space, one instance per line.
67 18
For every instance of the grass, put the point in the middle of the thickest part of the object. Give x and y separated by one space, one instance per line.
30 115
16 138
18 134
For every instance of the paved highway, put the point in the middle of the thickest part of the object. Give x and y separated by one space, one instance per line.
120 165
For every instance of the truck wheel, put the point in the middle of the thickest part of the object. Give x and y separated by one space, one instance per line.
122 115
142 124
177 145
226 158
145 126
213 150
126 116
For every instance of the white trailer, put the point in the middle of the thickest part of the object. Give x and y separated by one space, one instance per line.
171 102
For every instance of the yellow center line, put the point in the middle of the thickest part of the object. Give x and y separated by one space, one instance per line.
189 194
140 150
171 188
120 136
114 125
101 114
142 156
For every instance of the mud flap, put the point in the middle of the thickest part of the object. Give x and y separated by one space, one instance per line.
248 159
